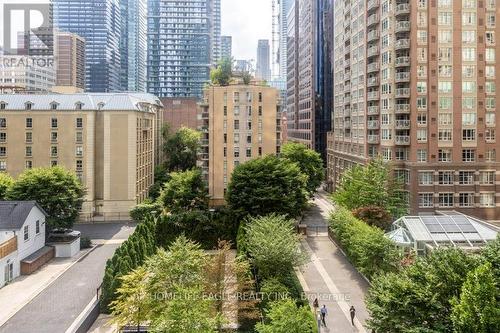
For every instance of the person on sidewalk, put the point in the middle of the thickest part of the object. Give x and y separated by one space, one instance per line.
315 304
324 312
352 310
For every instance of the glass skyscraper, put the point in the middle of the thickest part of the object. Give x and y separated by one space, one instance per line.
99 22
183 42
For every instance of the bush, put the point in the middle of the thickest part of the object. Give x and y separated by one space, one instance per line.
285 317
367 247
147 208
273 290
6 183
374 216
85 243
184 191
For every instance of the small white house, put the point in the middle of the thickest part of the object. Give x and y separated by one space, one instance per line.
22 236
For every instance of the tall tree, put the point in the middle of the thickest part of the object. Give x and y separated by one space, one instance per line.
285 317
58 191
221 75
267 185
371 185
6 183
478 308
309 162
181 149
185 191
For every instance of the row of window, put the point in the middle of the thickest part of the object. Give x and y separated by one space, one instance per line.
26 231
54 151
53 106
448 199
53 137
53 163
449 177
236 110
53 122
248 95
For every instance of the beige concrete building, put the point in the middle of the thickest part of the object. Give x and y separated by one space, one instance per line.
239 122
415 82
108 140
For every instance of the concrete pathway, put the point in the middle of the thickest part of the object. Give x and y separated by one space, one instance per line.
330 277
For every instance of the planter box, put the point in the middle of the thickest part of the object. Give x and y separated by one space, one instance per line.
36 260
67 249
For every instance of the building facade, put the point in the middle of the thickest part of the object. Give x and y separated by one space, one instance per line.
70 62
284 8
133 45
110 141
263 71
183 43
180 112
239 122
99 23
419 89
227 47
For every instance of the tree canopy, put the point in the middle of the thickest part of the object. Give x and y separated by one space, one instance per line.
371 185
181 148
58 191
309 162
285 317
221 75
185 191
268 185
6 182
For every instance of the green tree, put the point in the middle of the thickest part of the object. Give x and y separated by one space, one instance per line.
267 185
309 162
57 190
247 78
371 185
285 317
6 183
374 216
273 245
478 309
491 253
185 191
161 175
221 75
181 149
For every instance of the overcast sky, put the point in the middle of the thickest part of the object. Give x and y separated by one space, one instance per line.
246 21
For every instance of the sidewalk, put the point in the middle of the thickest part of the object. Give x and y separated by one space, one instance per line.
331 278
23 289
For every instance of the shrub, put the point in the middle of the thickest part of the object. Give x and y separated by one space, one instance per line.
85 243
184 191
6 183
285 317
272 290
367 247
147 208
374 216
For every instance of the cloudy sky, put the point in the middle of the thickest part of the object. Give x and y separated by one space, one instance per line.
246 21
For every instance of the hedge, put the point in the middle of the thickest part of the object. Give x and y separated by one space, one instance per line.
366 246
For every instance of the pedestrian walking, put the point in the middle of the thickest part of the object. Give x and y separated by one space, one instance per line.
352 310
315 304
324 312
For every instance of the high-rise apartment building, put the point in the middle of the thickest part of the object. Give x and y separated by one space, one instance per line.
226 47
415 83
183 42
70 62
133 45
284 8
309 113
110 141
263 71
99 23
239 122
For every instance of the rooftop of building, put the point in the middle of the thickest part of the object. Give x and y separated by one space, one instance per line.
13 214
122 101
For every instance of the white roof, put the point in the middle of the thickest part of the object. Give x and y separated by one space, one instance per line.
89 101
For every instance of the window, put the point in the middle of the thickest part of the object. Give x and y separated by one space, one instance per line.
79 151
26 232
249 139
53 122
468 155
79 137
466 199
236 138
236 125
236 110
249 152
3 151
37 227
491 155
53 163
79 165
236 152
3 123
3 137
445 178
29 164
28 106
225 110
53 106
260 97
468 135
29 122
444 135
422 135
421 155
28 151
79 122
444 155
466 177
425 200
445 199
53 136
260 110
3 165
53 151
468 118
402 175
236 97
78 105
260 151
489 134
426 178
3 106
487 199
487 177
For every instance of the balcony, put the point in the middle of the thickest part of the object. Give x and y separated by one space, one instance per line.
403 124
402 9
372 35
373 139
372 4
372 96
373 67
372 81
402 77
403 140
347 124
347 100
8 247
373 110
372 19
403 93
402 44
347 76
373 51
402 108
402 62
373 124
402 26
347 87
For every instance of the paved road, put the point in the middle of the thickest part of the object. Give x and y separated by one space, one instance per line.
330 277
55 308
